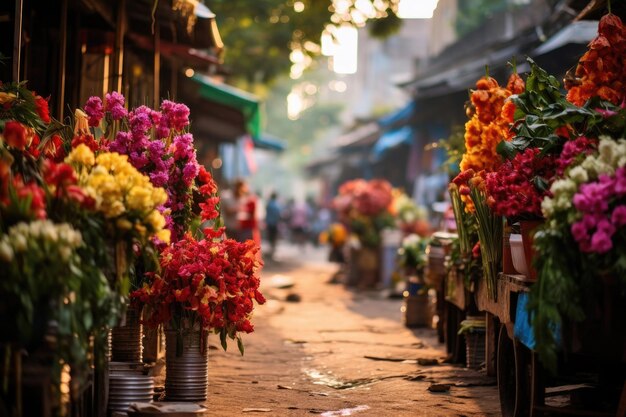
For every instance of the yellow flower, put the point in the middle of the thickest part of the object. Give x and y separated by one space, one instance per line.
139 199
81 155
164 235
141 229
156 220
6 98
123 224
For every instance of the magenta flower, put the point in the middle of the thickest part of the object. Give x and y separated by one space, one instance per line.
618 218
94 110
115 105
601 242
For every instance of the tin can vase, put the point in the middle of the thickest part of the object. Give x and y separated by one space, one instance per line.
186 365
127 338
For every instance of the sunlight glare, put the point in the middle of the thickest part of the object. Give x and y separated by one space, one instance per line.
416 9
346 55
294 106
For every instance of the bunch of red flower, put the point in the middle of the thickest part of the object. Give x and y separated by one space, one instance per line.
213 280
600 71
367 198
27 199
208 190
513 188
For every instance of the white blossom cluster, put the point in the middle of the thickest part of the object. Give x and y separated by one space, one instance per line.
40 238
611 155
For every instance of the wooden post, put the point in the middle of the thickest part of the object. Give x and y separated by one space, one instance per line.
174 81
157 63
490 344
62 59
120 31
17 39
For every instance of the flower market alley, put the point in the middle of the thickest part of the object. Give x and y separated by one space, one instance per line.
381 208
338 352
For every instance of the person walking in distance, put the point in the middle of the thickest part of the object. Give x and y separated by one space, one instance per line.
272 220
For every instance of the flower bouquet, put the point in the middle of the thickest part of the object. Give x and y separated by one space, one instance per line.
412 254
576 180
410 218
51 251
336 236
364 207
582 239
156 143
491 113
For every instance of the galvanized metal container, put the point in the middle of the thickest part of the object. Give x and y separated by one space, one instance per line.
186 365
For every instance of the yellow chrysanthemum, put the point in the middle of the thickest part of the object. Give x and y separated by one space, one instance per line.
81 155
122 193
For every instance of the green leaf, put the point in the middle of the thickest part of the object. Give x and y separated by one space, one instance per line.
223 335
506 149
540 184
240 345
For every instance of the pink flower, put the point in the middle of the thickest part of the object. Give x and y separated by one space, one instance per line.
620 181
601 242
572 150
618 218
94 110
115 105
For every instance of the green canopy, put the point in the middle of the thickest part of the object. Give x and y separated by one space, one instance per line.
246 103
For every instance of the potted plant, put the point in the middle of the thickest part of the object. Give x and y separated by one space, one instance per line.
364 207
205 285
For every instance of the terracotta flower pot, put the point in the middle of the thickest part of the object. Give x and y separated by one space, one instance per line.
527 229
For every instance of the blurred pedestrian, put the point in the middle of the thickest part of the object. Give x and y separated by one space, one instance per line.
272 221
241 212
228 206
299 222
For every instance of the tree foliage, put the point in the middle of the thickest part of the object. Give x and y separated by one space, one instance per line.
260 34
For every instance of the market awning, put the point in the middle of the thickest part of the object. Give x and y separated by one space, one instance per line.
270 143
242 101
362 136
580 32
397 116
390 140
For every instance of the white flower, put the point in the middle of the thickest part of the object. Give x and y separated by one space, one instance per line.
607 149
6 251
565 186
579 175
411 240
597 167
19 242
65 252
562 203
547 207
34 229
49 232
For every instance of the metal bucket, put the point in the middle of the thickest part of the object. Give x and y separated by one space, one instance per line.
127 339
126 387
186 365
417 310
